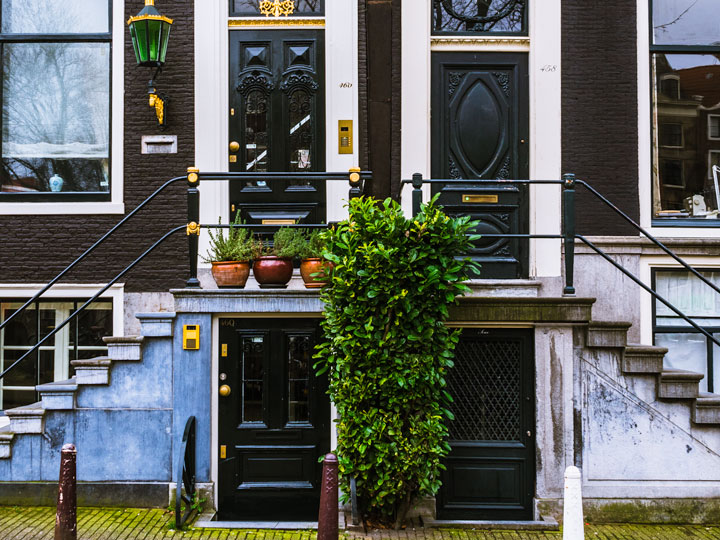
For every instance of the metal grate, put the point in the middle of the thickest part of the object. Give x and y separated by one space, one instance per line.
485 386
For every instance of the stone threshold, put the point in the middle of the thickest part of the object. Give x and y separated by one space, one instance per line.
207 521
546 524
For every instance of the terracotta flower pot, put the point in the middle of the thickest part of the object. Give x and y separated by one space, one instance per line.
232 274
272 272
308 267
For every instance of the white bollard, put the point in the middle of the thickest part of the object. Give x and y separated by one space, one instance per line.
573 526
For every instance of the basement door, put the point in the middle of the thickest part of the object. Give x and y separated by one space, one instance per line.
480 131
490 471
277 118
273 424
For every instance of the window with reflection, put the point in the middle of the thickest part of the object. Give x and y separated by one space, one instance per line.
245 8
55 99
253 354
299 358
79 340
479 16
685 54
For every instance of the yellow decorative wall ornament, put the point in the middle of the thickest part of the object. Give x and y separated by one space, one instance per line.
277 7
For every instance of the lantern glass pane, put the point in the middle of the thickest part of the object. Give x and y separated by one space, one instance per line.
166 36
154 39
56 17
135 43
141 35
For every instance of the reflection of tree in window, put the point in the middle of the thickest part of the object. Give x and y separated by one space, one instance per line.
479 16
252 7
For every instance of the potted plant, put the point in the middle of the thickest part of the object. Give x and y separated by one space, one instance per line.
314 269
230 255
273 268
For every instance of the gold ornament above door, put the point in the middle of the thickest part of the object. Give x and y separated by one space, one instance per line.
276 8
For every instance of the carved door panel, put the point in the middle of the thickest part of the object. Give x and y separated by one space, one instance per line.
490 471
277 118
273 423
480 131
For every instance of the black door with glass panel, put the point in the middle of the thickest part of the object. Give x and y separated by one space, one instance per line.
480 131
277 123
490 471
273 423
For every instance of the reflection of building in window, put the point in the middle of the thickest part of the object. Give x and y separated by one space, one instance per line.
79 340
671 172
671 135
670 86
714 126
688 349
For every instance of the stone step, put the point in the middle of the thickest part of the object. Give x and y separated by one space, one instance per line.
6 438
679 384
706 409
124 349
525 288
58 395
643 359
607 334
27 419
92 372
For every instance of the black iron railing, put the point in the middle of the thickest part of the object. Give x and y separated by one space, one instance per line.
356 178
187 499
568 235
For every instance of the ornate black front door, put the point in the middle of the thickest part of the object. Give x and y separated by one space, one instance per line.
490 471
274 417
277 123
480 130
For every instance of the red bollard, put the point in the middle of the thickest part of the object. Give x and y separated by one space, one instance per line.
66 517
328 517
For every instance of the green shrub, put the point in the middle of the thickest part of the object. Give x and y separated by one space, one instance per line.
388 349
238 245
314 245
287 242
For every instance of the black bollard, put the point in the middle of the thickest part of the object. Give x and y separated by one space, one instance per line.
328 517
66 517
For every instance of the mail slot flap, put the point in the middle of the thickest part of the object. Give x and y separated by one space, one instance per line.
265 215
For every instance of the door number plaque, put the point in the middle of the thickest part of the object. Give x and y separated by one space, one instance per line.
493 199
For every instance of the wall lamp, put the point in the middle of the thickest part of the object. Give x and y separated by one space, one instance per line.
150 32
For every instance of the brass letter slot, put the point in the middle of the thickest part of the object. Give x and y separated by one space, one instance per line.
278 222
480 198
223 451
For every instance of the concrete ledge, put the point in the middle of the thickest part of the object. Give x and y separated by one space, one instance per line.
6 438
525 288
156 324
122 494
247 301
92 372
27 419
527 310
58 396
707 409
550 524
607 334
643 359
679 384
124 349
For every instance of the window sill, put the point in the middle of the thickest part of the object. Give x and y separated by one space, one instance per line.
69 208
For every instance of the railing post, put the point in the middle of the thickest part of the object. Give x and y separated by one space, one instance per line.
417 183
355 183
193 228
568 205
328 515
66 516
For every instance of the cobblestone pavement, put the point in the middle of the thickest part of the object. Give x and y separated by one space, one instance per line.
139 524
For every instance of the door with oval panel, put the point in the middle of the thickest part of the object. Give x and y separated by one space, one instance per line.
480 131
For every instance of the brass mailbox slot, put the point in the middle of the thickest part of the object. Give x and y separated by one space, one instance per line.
278 222
480 198
223 451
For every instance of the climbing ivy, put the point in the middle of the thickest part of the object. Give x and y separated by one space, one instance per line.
388 350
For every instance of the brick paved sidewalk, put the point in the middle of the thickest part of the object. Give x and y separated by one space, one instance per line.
139 524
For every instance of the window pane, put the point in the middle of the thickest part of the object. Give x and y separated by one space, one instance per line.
95 322
17 398
685 351
453 16
56 17
686 22
299 356
687 87
689 295
22 330
56 125
253 353
300 7
301 130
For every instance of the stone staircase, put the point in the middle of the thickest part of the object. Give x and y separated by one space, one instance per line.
639 360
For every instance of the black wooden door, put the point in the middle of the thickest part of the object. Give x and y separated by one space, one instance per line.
274 424
480 130
277 121
490 471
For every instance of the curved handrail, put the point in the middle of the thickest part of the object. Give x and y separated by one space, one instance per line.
95 297
88 251
185 474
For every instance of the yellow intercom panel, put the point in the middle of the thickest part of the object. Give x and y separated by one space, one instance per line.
345 136
191 337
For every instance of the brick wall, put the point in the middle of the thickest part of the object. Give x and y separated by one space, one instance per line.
36 247
599 108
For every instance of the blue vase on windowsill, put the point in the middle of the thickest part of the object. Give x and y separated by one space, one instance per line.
56 183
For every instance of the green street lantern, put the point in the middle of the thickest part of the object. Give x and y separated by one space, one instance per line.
150 32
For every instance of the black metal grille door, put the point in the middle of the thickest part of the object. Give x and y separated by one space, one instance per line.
491 468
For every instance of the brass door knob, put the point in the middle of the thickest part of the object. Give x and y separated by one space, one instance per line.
234 146
224 390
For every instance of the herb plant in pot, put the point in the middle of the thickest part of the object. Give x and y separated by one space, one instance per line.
314 269
230 255
274 268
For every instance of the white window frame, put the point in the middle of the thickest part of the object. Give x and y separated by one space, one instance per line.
115 204
710 117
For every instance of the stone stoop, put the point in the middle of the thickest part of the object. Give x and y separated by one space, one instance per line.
672 384
62 395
